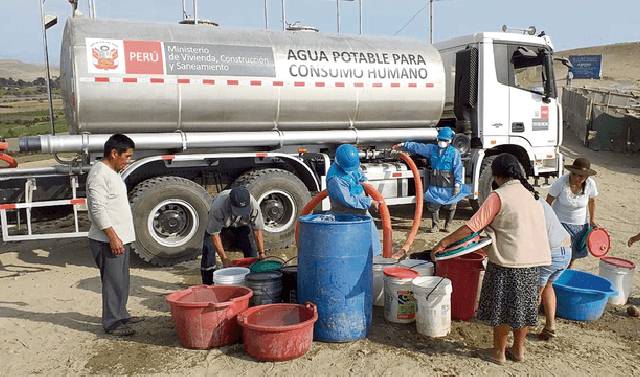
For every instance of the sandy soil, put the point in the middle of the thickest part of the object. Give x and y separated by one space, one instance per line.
50 315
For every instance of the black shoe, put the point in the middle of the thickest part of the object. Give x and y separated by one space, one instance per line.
122 330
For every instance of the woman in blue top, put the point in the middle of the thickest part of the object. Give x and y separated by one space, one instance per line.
346 193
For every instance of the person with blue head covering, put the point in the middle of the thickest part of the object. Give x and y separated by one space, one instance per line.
445 188
346 193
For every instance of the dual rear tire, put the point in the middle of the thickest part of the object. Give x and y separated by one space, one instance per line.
170 214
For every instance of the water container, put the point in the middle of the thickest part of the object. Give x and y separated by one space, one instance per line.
433 305
230 276
399 304
205 315
289 284
379 264
278 332
422 267
620 273
581 296
464 273
335 273
266 287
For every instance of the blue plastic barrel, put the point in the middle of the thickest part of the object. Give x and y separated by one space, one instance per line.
335 273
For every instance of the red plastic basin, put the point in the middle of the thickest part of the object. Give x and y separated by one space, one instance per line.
278 332
205 315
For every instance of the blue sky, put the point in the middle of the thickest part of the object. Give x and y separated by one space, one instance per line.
570 23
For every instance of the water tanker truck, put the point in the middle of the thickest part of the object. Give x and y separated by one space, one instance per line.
210 107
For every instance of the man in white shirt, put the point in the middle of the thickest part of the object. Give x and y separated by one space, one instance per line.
112 232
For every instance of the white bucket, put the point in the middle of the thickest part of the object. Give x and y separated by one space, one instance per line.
379 263
621 278
399 304
422 267
230 276
433 305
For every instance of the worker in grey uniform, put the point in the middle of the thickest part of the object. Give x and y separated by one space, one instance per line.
112 232
232 211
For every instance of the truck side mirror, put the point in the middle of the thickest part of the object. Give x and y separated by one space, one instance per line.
549 82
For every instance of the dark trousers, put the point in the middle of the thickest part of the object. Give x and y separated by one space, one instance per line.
435 207
243 238
114 275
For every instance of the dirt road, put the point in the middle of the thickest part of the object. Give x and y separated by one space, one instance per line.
50 315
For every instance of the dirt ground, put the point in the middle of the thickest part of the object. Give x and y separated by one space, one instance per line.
50 315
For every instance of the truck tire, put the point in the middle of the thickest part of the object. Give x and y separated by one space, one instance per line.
484 182
170 216
281 196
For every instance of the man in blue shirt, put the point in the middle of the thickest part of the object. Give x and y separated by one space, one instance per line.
444 188
346 193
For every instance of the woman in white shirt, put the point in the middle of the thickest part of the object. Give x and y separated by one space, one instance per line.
573 198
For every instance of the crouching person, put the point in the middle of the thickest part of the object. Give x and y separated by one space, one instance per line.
233 211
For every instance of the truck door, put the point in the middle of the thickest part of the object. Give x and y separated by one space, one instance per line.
495 96
533 109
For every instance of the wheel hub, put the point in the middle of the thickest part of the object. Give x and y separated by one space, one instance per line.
274 210
171 221
278 209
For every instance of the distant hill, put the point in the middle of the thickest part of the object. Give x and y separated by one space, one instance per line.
620 66
17 69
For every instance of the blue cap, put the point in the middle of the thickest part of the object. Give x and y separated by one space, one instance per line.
446 133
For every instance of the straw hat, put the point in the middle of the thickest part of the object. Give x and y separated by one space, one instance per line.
581 166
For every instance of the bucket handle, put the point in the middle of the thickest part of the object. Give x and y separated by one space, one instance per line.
242 318
434 289
289 260
310 306
219 305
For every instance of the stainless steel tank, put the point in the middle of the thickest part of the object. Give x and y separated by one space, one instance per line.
148 78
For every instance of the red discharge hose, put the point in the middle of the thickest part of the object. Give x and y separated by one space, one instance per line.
5 157
417 215
387 234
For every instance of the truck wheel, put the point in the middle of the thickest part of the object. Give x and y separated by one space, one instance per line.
281 196
169 215
484 182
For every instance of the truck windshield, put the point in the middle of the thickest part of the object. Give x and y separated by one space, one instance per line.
531 71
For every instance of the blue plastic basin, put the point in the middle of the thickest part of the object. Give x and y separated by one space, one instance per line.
582 296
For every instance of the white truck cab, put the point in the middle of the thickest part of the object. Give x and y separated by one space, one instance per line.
501 91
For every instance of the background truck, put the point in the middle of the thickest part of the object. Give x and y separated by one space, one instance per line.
209 108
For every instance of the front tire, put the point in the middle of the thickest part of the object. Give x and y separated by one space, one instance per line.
485 180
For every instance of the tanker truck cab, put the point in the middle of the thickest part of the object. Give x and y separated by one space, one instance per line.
501 93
